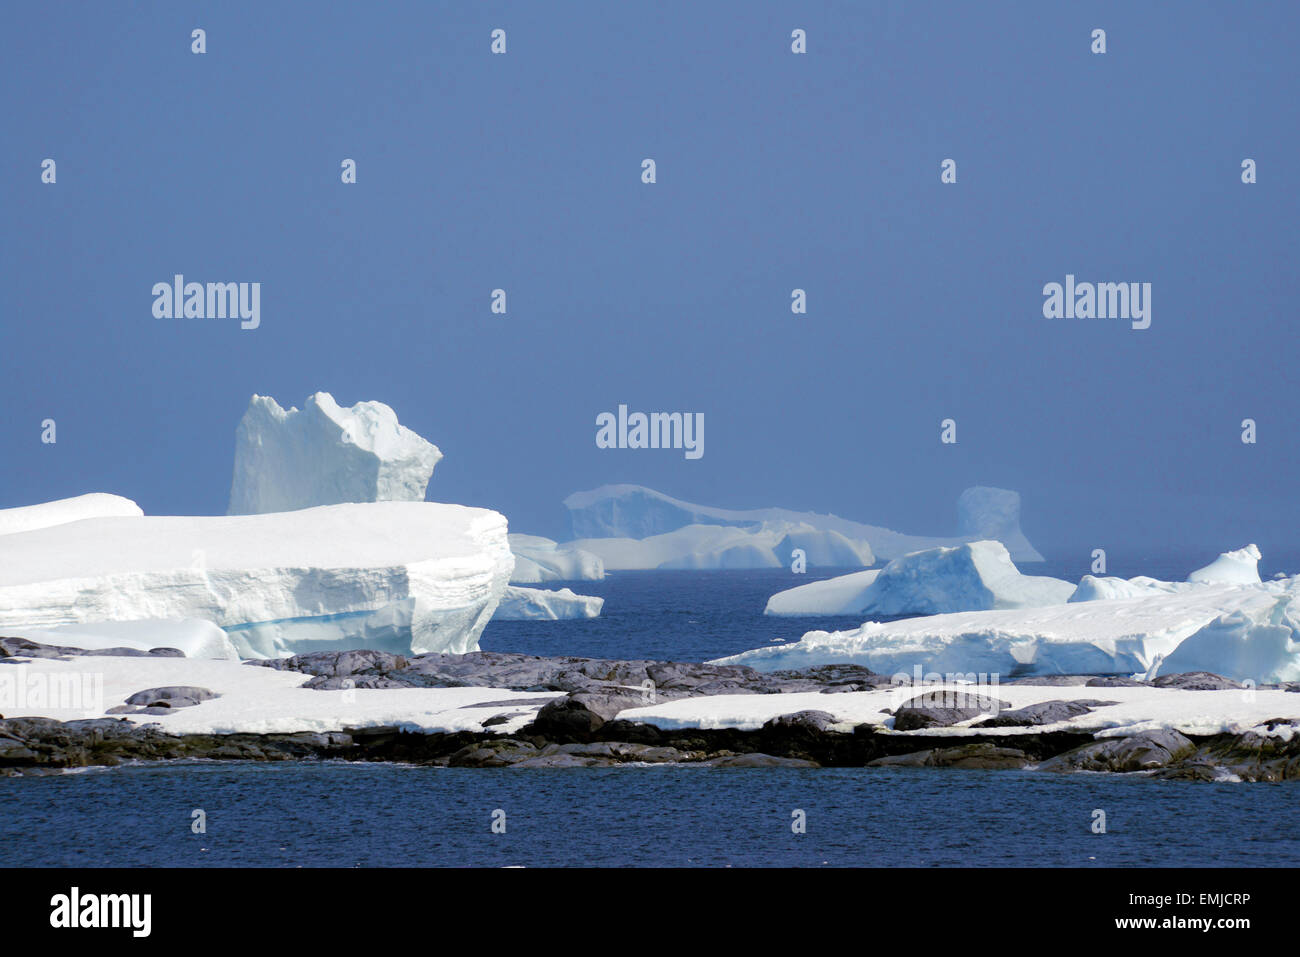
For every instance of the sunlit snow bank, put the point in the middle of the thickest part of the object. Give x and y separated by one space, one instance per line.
326 455
540 559
1239 631
635 512
972 577
95 505
396 576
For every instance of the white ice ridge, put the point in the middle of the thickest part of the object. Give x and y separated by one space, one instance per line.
540 559
325 455
540 604
769 544
1239 567
95 505
396 576
636 512
976 576
1239 631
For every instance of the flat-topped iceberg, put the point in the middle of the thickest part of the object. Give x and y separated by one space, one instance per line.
324 454
636 512
767 545
28 518
1239 631
975 576
540 559
400 576
542 604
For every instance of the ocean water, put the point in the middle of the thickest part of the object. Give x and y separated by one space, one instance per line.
337 814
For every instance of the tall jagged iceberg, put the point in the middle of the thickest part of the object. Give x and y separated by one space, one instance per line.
325 454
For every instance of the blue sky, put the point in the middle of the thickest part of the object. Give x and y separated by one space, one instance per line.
775 171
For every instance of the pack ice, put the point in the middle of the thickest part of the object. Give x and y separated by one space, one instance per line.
633 512
324 454
1246 631
396 576
976 576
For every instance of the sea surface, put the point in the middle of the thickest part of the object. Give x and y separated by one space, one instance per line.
341 814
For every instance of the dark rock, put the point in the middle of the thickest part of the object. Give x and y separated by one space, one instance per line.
943 707
174 696
1115 681
566 717
815 721
1196 681
1051 681
757 760
1145 751
1045 712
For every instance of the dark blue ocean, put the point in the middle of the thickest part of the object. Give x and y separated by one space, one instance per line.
336 814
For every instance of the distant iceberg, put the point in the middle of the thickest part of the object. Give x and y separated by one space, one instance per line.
540 559
975 576
633 512
324 454
541 604
767 545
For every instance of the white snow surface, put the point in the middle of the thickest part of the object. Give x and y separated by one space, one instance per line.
1240 567
256 700
1237 629
28 518
636 512
974 576
1137 709
539 559
194 637
542 604
398 576
767 545
325 455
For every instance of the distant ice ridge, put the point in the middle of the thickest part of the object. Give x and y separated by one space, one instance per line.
325 455
28 518
540 559
540 604
635 512
1239 567
975 576
396 576
769 544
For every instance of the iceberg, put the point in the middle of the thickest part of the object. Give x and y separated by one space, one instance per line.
636 512
1107 636
325 455
976 576
540 559
540 604
767 545
28 518
397 576
1238 567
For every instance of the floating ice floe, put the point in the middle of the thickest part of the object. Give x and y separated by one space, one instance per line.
396 576
1246 632
324 454
540 559
975 576
632 512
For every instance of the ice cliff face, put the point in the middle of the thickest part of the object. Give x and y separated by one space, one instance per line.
397 576
324 454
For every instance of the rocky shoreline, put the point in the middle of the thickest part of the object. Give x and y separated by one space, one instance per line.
580 726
